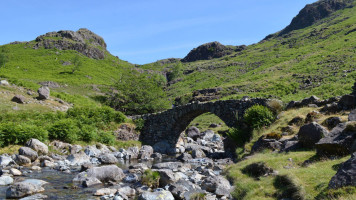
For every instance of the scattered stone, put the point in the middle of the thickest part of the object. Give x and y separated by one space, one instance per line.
218 185
6 180
22 160
263 143
4 83
198 153
43 93
5 160
19 99
29 153
185 157
352 116
310 134
346 174
145 152
38 146
338 143
158 195
104 174
35 197
15 172
78 159
92 151
331 122
105 191
108 159
156 156
298 121
193 132
25 188
170 165
257 170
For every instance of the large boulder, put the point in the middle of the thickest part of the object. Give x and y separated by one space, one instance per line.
92 151
29 153
22 160
38 146
339 142
264 143
104 174
157 195
18 99
108 159
347 102
145 152
183 189
5 160
43 93
132 153
78 158
193 132
25 188
6 180
310 134
346 174
218 185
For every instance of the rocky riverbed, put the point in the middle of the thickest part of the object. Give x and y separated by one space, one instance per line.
103 172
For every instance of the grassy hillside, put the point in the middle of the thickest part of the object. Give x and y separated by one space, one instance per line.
319 60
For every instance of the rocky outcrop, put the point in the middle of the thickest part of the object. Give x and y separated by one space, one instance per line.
84 41
312 13
310 134
209 51
346 174
43 93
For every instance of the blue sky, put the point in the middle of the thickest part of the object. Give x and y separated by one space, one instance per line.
144 31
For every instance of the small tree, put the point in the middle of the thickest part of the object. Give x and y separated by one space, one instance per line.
77 63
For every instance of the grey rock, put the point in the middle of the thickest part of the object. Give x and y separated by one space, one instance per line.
18 99
346 174
339 142
29 153
35 197
22 160
127 191
15 172
167 176
5 160
132 153
104 174
78 159
92 151
347 102
156 156
25 188
131 178
43 93
331 122
4 83
352 116
198 153
108 159
145 152
218 185
6 180
184 157
158 195
170 165
263 143
38 146
310 134
90 181
193 132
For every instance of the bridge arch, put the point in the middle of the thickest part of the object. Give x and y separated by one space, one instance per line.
167 126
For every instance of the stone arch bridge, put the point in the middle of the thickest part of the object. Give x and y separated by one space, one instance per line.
168 125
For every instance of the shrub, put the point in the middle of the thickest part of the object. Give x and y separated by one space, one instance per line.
258 116
65 130
140 123
91 115
106 137
288 187
88 133
239 136
13 133
275 105
150 178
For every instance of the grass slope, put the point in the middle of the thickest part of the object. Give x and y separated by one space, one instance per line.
281 66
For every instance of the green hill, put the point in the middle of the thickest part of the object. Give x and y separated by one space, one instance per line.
314 55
